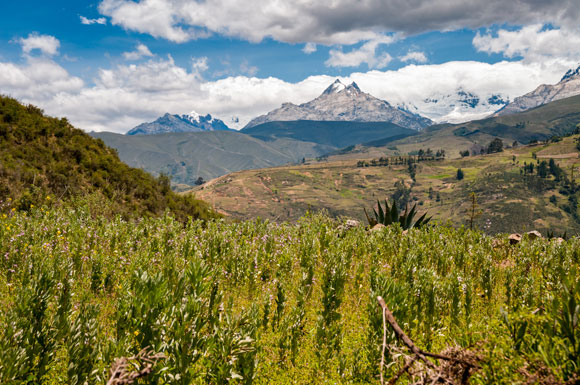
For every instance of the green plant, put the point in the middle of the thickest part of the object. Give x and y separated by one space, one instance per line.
391 215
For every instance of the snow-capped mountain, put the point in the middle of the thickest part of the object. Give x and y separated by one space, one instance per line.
192 122
341 102
456 107
568 86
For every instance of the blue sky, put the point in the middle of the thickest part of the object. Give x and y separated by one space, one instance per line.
111 64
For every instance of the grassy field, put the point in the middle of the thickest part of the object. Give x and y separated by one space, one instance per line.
263 303
507 200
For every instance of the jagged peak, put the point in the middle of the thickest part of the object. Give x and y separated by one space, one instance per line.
571 73
334 88
353 86
194 115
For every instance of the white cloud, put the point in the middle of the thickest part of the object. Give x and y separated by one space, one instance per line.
367 53
140 52
331 22
532 42
247 69
38 80
416 85
415 56
87 21
159 18
46 44
309 48
123 96
199 65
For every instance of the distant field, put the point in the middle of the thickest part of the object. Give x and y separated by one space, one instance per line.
507 200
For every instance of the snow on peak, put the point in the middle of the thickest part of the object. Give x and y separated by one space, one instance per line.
571 73
193 116
335 87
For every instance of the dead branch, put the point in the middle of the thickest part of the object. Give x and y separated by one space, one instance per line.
448 373
142 363
403 370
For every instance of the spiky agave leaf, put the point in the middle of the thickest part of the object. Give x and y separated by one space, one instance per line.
372 221
390 214
423 220
394 213
409 217
381 217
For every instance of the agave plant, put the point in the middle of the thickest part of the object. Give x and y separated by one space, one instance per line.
391 215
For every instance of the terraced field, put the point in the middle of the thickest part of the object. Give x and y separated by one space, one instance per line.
507 199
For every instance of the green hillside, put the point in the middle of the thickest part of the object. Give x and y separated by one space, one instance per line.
509 199
337 134
553 119
188 156
45 161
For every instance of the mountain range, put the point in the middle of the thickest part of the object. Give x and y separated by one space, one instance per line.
192 122
568 86
458 106
341 102
191 146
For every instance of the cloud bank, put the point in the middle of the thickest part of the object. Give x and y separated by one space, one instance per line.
129 94
336 22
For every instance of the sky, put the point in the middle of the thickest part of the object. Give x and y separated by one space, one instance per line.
110 65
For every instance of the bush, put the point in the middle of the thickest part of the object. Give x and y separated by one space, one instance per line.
496 145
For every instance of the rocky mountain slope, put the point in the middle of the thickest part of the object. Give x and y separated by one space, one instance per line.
567 87
192 122
341 102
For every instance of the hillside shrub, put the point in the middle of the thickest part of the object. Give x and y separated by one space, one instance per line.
43 156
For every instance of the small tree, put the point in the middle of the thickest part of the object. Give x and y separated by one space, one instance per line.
496 145
459 174
543 169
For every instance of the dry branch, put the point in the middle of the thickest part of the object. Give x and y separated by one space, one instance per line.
448 372
142 365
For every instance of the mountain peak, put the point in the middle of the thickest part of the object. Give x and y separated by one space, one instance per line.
567 87
193 115
334 88
353 86
340 102
192 122
571 73
339 87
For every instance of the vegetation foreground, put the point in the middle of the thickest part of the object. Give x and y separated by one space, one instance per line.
258 302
